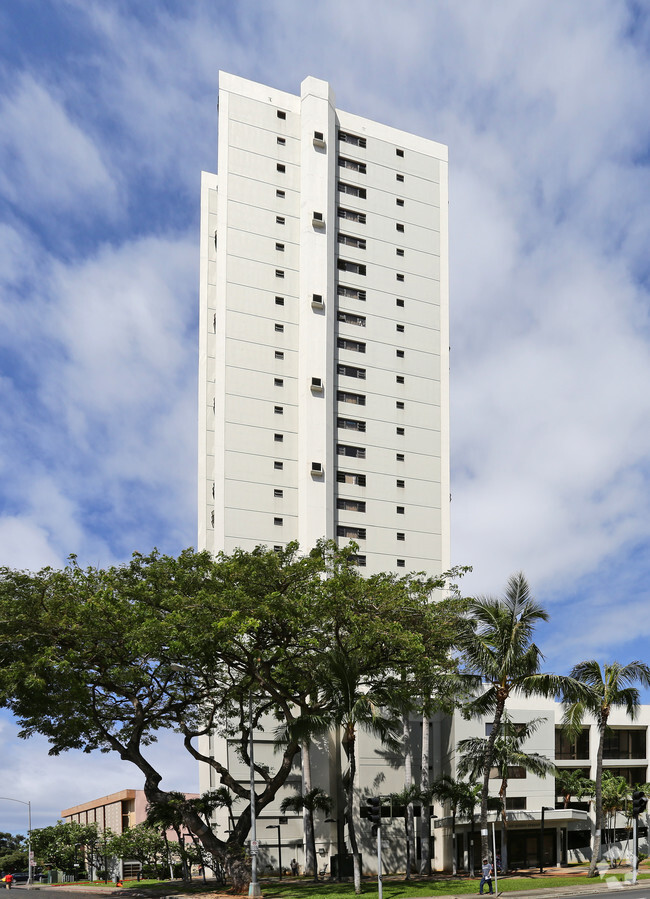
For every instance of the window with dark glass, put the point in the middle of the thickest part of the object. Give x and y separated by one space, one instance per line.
351 371
353 292
345 396
350 318
350 505
350 241
352 190
571 748
352 215
345 343
351 477
344 530
353 164
346 265
351 424
355 452
353 139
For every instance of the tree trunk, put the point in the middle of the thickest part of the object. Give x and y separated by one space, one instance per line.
308 820
454 867
408 783
351 749
471 845
504 825
487 764
425 818
595 852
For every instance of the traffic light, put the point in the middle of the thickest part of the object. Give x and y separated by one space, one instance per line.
639 803
374 809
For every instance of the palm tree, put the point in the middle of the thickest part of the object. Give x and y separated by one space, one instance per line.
571 782
354 703
500 652
457 795
507 753
316 800
601 690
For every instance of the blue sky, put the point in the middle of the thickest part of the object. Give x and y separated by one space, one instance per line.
108 115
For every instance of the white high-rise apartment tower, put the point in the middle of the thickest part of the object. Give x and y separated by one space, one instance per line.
323 332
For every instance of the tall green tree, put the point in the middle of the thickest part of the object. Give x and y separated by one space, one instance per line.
599 690
508 753
13 852
144 844
104 659
316 800
68 845
500 652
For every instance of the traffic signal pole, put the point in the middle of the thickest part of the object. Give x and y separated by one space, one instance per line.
380 886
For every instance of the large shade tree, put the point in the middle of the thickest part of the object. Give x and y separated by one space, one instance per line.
104 659
596 690
499 651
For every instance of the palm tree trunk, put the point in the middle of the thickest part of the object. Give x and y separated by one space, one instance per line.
504 826
425 818
307 819
487 764
351 750
454 853
595 852
408 782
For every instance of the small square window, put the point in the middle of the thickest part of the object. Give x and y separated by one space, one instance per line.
278 382
401 563
399 152
399 302
399 404
399 251
278 465
399 328
277 548
318 135
399 457
399 201
399 354
278 521
400 510
401 535
280 193
279 220
399 483
279 301
279 438
399 177
279 327
279 247
279 354
279 273
281 114
399 227
281 167
399 379
278 410
399 432
278 493
282 141
399 276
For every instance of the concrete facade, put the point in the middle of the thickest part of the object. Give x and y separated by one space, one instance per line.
324 395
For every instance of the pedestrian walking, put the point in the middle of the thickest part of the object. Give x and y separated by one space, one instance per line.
486 876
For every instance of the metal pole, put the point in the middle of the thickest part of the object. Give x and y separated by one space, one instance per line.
254 887
29 844
380 886
29 833
494 861
541 844
635 860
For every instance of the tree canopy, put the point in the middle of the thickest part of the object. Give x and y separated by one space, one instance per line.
103 659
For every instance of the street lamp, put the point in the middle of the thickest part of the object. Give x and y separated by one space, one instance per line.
29 835
277 827
545 808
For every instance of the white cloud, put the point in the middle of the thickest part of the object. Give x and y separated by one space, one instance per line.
46 159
